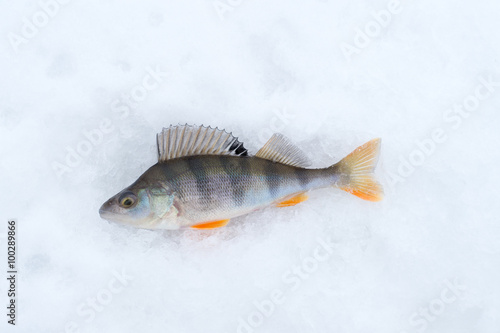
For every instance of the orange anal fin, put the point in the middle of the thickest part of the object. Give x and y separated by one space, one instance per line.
211 225
293 201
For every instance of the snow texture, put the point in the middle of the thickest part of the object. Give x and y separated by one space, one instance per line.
86 85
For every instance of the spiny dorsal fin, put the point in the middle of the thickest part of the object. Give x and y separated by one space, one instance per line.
187 140
280 149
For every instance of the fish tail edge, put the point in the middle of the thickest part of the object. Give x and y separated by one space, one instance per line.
356 171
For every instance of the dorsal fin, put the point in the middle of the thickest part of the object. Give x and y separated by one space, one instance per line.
191 140
280 149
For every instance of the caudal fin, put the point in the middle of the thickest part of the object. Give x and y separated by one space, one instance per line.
357 169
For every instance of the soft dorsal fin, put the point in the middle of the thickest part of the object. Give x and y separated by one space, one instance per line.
187 140
280 149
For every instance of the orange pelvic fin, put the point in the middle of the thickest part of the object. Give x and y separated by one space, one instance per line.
294 200
211 225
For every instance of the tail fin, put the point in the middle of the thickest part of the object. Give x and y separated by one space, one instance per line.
358 168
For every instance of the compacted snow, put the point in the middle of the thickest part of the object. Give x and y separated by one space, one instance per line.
86 85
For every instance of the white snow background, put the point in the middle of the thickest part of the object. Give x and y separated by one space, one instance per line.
79 110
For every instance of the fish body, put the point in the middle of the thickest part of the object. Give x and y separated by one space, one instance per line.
193 187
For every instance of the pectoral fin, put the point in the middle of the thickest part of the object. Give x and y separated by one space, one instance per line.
294 200
211 225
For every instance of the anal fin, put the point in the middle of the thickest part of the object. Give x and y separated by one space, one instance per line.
211 225
294 200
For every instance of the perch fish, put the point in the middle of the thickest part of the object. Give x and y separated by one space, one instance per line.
205 177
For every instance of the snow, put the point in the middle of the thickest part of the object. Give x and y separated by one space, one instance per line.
87 85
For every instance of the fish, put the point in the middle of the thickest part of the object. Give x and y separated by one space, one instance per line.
205 177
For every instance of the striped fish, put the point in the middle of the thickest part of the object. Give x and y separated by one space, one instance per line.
205 176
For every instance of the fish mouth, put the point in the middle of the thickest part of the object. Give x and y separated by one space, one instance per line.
104 214
104 211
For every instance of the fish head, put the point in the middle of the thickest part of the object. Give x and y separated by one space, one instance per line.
142 206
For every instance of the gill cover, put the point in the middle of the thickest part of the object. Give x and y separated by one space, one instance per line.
161 201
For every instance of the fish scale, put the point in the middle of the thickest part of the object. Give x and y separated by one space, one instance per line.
204 177
208 190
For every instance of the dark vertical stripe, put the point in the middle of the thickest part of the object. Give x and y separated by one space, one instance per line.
171 171
237 169
245 178
272 178
197 168
303 177
179 167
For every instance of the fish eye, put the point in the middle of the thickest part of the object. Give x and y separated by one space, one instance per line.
127 200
